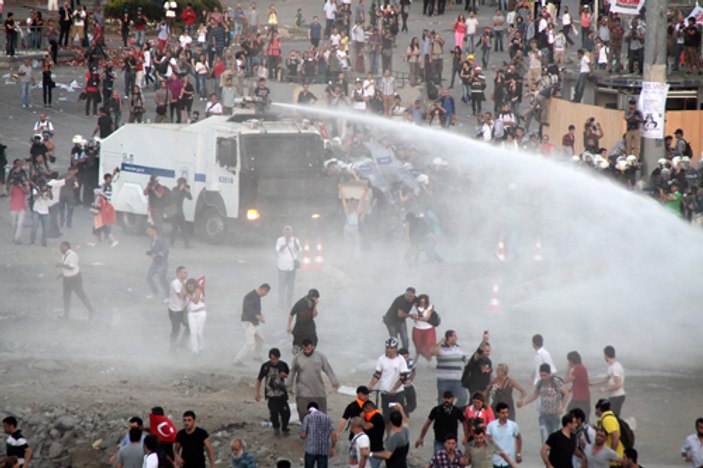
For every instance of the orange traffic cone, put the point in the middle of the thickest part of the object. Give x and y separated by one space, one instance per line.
307 261
494 305
538 252
319 259
500 253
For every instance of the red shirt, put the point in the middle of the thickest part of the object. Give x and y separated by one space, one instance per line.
218 69
18 198
189 16
580 384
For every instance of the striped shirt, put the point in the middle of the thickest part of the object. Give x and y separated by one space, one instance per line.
318 428
387 86
16 445
450 362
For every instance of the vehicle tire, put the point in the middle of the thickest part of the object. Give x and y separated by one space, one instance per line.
133 224
212 226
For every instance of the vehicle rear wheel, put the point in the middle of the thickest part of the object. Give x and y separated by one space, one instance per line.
212 226
133 224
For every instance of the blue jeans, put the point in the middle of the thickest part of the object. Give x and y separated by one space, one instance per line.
157 269
465 92
548 423
311 460
38 219
485 56
453 386
375 462
201 83
24 96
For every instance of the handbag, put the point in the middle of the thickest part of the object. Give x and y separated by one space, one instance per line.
296 263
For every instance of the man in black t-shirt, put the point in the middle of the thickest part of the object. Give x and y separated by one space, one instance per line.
353 409
275 371
251 319
560 447
263 95
446 419
396 315
191 444
105 126
374 426
479 369
304 311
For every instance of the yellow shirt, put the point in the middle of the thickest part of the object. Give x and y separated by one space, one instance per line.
609 422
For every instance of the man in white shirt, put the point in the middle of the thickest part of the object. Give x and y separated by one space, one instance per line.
45 196
288 249
72 280
585 70
692 449
359 446
177 302
213 107
542 356
390 374
615 381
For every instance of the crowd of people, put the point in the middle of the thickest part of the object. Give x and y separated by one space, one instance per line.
474 422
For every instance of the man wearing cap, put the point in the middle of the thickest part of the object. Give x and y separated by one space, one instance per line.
353 409
446 418
633 119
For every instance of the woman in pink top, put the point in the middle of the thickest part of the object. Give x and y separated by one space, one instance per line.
478 414
585 24
459 28
577 375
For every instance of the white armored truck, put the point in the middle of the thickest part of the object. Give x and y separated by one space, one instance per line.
241 173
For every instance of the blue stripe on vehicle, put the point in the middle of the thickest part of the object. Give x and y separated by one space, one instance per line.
199 177
152 171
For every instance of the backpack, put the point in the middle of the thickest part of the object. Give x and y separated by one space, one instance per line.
434 319
687 150
627 435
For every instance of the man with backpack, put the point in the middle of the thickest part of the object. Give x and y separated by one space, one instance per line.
618 431
682 147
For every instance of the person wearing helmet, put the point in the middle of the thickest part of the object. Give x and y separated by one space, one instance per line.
389 376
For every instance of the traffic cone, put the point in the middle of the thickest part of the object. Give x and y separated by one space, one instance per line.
307 261
500 253
319 259
538 252
494 305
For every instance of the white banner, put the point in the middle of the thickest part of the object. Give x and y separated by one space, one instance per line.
696 13
626 7
652 104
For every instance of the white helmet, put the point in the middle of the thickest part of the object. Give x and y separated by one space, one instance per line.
392 342
78 140
686 162
408 166
662 162
675 161
587 157
621 163
576 159
601 162
422 179
631 159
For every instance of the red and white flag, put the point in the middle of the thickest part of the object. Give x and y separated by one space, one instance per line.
201 283
163 428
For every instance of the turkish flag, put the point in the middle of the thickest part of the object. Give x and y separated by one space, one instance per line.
163 428
201 283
